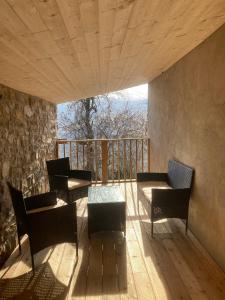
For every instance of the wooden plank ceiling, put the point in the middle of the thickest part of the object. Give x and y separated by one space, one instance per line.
70 49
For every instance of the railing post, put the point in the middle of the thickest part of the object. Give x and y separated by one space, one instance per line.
148 155
130 162
104 144
136 155
124 160
96 162
77 154
57 150
83 154
112 160
64 150
118 158
70 150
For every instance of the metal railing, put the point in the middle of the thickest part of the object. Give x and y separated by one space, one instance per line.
108 159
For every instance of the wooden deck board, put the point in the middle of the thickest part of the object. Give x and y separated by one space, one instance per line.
169 266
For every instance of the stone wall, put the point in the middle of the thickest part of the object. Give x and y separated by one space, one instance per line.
187 122
27 139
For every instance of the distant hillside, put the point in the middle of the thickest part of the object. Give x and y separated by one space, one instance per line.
137 98
117 104
141 105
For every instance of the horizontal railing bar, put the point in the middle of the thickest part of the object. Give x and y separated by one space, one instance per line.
59 141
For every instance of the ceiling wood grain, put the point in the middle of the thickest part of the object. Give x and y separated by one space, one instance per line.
63 50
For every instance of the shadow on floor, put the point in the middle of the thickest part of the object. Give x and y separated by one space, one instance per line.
103 268
43 285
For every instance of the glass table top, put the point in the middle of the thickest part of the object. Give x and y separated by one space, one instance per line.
104 194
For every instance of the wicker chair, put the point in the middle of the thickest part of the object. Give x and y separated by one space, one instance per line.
46 220
167 194
69 184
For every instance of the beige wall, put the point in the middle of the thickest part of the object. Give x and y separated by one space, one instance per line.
187 122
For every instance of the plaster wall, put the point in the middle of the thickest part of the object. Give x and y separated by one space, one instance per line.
187 122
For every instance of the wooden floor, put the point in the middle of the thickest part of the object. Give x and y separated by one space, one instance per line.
170 266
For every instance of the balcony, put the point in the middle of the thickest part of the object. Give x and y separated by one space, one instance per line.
169 266
64 50
110 160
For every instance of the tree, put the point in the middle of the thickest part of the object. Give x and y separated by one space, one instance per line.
100 118
77 121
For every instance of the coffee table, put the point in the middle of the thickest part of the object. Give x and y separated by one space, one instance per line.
106 209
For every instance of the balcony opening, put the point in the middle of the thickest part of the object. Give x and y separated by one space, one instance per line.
106 134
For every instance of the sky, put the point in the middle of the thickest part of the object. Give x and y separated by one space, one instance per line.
139 92
136 93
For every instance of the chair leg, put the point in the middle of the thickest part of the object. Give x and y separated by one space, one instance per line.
32 257
68 197
152 228
186 226
151 219
76 247
20 249
32 262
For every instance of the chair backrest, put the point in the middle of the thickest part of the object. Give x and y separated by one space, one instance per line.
59 166
179 175
19 209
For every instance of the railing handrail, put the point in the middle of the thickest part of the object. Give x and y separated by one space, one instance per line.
65 141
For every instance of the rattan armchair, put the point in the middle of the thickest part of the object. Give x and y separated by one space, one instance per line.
69 184
45 219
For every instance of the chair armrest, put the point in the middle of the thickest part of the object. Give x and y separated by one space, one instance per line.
161 197
80 174
151 176
41 200
170 203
